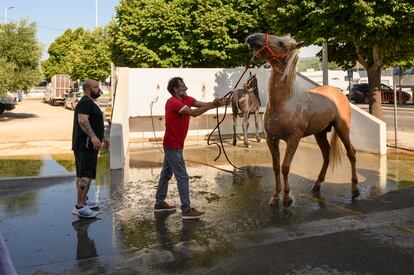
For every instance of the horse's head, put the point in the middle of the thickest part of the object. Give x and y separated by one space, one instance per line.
251 84
271 47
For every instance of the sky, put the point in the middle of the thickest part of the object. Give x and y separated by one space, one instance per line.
54 16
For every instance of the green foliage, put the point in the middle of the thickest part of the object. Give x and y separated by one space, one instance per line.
6 75
82 54
187 33
348 27
58 50
20 54
314 63
309 63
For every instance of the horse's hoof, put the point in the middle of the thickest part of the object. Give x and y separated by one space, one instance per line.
234 143
355 194
316 189
288 202
247 146
274 201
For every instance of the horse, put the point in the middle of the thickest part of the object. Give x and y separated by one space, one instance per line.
292 113
246 101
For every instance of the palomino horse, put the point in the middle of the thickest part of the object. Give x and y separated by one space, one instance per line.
246 101
292 113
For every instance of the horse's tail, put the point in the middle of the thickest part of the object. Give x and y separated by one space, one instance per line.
336 150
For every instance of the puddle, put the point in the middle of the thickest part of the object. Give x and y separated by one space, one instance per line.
129 236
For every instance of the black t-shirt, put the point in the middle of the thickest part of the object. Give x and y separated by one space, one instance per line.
80 140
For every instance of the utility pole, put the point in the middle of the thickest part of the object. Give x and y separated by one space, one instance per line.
5 13
325 63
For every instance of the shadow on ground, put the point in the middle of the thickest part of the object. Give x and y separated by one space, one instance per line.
7 116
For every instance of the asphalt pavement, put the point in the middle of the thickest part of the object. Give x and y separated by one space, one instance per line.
405 125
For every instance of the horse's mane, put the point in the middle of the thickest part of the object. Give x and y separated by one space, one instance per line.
289 64
290 70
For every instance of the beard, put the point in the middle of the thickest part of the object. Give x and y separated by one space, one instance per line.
96 95
182 93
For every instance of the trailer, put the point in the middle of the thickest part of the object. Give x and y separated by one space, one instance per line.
58 89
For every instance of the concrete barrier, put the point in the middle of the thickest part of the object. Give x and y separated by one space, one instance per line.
119 134
368 133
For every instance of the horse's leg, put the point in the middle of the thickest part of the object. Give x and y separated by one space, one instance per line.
343 133
273 145
234 128
323 144
292 145
257 126
246 128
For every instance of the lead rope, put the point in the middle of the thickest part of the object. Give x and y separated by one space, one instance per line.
229 95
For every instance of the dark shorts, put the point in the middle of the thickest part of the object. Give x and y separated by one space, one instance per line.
86 163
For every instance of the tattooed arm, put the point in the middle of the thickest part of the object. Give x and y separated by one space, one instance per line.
87 128
85 125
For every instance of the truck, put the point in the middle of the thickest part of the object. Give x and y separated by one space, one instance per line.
58 89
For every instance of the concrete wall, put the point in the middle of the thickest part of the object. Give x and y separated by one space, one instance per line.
119 135
149 85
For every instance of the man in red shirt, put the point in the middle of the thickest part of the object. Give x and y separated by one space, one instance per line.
177 118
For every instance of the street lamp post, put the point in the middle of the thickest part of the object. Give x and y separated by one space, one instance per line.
5 13
96 13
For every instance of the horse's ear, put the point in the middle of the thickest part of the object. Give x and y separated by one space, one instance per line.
299 44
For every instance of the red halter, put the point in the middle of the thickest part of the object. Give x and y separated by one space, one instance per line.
273 55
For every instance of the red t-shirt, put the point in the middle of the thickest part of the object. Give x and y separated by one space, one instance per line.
176 124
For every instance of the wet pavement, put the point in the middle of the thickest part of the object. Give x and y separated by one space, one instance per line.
240 233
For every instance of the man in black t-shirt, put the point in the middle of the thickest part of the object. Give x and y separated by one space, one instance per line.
87 140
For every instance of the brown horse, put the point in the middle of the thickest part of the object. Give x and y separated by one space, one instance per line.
246 101
293 113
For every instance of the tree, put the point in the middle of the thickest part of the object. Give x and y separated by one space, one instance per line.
58 50
20 54
314 63
6 75
82 54
187 33
376 33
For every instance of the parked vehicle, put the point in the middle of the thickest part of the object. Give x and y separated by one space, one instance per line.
37 92
72 99
55 92
108 113
359 94
6 104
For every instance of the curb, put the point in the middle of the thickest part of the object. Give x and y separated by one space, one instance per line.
401 148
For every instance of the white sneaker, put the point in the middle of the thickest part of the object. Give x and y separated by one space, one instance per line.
84 212
91 204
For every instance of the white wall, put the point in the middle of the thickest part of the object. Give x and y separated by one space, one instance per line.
203 84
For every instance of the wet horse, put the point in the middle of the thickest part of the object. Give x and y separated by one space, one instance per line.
246 101
292 113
